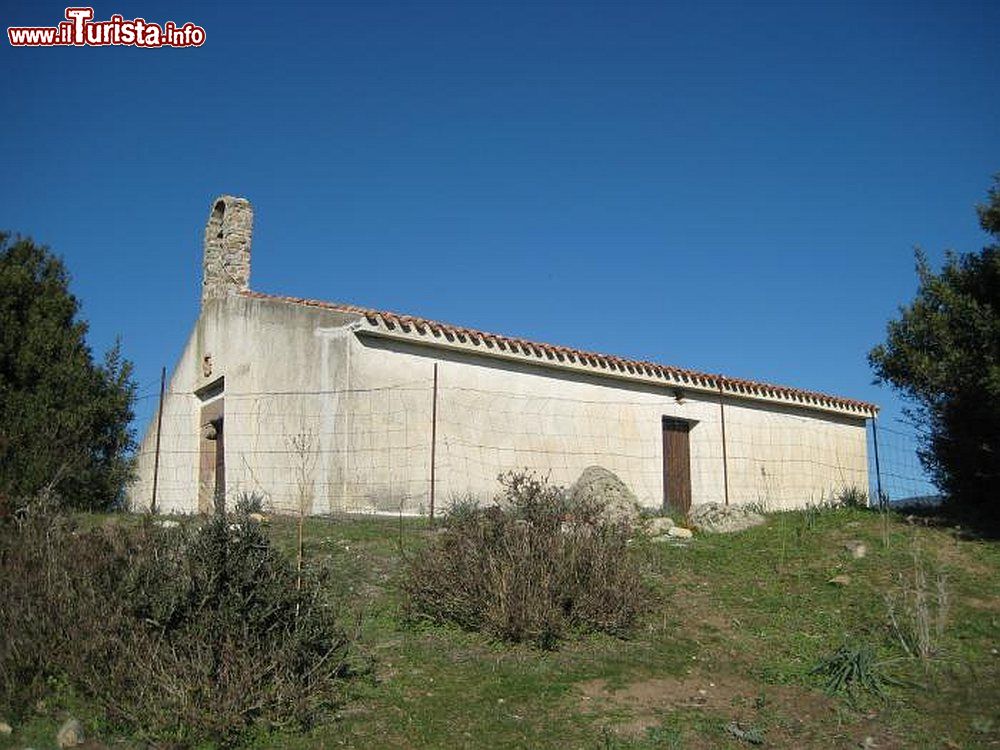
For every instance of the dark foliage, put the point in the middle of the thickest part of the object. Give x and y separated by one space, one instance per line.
531 567
943 353
64 420
851 497
186 634
852 670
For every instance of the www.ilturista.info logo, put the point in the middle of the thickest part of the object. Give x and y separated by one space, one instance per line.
80 30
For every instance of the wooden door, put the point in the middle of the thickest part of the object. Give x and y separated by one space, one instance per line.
220 466
676 466
212 465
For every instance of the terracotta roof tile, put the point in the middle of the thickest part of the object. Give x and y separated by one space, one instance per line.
422 326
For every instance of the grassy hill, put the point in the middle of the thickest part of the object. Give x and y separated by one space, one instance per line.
726 659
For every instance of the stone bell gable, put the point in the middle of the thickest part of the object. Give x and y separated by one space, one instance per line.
227 248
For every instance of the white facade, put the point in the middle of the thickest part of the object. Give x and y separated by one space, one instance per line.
332 407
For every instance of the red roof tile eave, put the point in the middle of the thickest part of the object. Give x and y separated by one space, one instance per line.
737 386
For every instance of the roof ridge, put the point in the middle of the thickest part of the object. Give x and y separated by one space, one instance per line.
736 385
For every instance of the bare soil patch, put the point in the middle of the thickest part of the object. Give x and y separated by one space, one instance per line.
795 712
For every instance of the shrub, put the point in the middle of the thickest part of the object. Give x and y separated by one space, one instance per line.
248 502
531 567
851 497
853 669
180 634
918 609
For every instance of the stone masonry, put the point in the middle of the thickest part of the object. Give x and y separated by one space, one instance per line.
227 248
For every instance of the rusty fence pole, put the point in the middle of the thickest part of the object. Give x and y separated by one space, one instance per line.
434 414
878 471
725 458
159 428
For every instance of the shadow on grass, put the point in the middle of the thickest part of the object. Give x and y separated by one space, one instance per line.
967 522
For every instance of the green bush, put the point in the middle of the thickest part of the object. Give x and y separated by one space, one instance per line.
182 634
531 567
851 497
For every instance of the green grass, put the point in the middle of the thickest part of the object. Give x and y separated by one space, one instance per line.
741 623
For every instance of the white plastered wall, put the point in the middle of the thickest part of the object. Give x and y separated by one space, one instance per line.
319 414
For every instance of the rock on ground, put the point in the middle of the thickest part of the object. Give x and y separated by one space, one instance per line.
857 548
618 503
677 532
723 519
70 734
659 525
6 728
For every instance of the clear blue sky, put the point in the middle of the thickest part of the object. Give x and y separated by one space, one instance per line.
734 187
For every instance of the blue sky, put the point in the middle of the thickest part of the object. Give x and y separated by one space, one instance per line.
731 187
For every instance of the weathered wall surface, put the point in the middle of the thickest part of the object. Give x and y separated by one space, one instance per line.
274 360
178 460
494 416
319 415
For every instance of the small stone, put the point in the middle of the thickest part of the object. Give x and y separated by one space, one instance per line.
659 525
167 523
679 532
70 734
6 728
841 580
857 548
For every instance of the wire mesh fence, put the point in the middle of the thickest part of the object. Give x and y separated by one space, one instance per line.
898 473
413 446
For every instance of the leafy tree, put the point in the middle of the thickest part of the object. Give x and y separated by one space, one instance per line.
943 354
64 420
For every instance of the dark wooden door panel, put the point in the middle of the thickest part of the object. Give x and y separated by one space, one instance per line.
676 465
212 465
220 466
